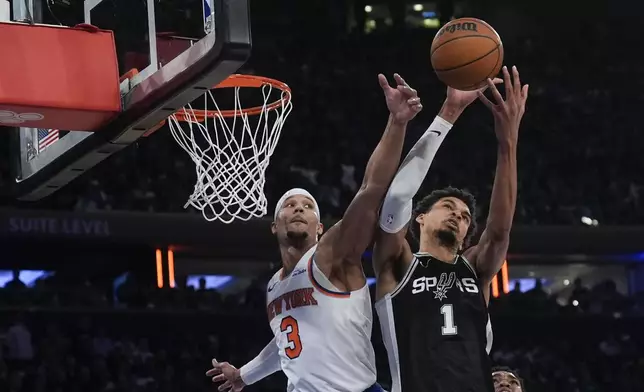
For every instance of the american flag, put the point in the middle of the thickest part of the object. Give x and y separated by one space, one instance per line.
47 137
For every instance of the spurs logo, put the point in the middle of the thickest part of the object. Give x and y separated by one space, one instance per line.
445 283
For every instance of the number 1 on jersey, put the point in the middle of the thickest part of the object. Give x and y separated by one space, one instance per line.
448 327
290 326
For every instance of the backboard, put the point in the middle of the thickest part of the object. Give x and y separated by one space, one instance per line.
172 72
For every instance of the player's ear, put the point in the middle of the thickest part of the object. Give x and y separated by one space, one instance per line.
320 229
419 218
274 228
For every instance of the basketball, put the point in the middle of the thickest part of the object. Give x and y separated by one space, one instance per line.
465 52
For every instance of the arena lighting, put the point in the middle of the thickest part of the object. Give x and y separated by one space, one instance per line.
418 7
368 8
505 281
159 256
589 221
505 277
495 287
171 268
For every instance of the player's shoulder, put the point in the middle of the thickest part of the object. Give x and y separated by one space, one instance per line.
273 280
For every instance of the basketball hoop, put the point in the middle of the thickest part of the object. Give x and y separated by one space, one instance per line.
231 157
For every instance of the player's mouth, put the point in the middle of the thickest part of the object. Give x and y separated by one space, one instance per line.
299 220
452 223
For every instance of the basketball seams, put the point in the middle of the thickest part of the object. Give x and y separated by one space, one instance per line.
493 73
466 62
471 61
461 37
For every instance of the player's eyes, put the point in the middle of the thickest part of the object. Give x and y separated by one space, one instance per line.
308 206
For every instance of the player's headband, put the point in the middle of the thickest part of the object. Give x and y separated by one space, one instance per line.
295 192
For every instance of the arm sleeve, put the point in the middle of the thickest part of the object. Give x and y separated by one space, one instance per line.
263 365
397 206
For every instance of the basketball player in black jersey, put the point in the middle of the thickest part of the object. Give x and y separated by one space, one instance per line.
433 304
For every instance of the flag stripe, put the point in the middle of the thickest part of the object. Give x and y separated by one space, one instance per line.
47 137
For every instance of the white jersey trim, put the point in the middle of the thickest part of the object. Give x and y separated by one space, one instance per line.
388 330
403 281
489 335
469 265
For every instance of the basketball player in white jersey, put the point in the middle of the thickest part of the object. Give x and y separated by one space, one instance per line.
318 303
432 305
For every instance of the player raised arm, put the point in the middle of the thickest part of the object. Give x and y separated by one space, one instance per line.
234 380
397 207
489 254
348 239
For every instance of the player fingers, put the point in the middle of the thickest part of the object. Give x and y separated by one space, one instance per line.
399 80
408 91
384 83
413 101
225 386
497 80
219 378
516 80
213 372
485 101
495 92
524 92
508 83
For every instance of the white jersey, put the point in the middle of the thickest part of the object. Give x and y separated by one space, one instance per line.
323 334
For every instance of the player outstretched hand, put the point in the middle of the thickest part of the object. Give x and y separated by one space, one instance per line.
403 102
223 371
509 112
460 100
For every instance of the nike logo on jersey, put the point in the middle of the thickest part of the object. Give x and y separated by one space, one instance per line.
438 133
441 285
271 287
291 300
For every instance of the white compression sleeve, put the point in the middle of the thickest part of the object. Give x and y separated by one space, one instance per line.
263 365
397 206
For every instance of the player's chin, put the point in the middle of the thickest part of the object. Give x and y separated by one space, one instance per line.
297 233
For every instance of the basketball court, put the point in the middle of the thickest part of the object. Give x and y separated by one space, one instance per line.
82 84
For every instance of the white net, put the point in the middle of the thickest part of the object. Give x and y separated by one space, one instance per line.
230 155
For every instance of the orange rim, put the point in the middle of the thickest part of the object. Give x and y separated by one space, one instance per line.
237 80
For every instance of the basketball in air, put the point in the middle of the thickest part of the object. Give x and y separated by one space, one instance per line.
465 52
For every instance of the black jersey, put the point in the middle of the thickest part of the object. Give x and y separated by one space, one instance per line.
436 329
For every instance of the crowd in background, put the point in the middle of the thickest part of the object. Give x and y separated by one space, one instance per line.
579 155
90 337
578 148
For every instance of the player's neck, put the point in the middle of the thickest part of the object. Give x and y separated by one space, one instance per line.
292 254
434 248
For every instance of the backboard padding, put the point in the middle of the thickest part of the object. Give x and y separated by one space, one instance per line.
177 83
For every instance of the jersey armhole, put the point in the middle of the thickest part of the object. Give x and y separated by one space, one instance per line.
470 266
331 291
403 281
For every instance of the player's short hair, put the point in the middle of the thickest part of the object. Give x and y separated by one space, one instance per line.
427 202
511 371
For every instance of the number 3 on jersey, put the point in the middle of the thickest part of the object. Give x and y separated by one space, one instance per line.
448 327
294 348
